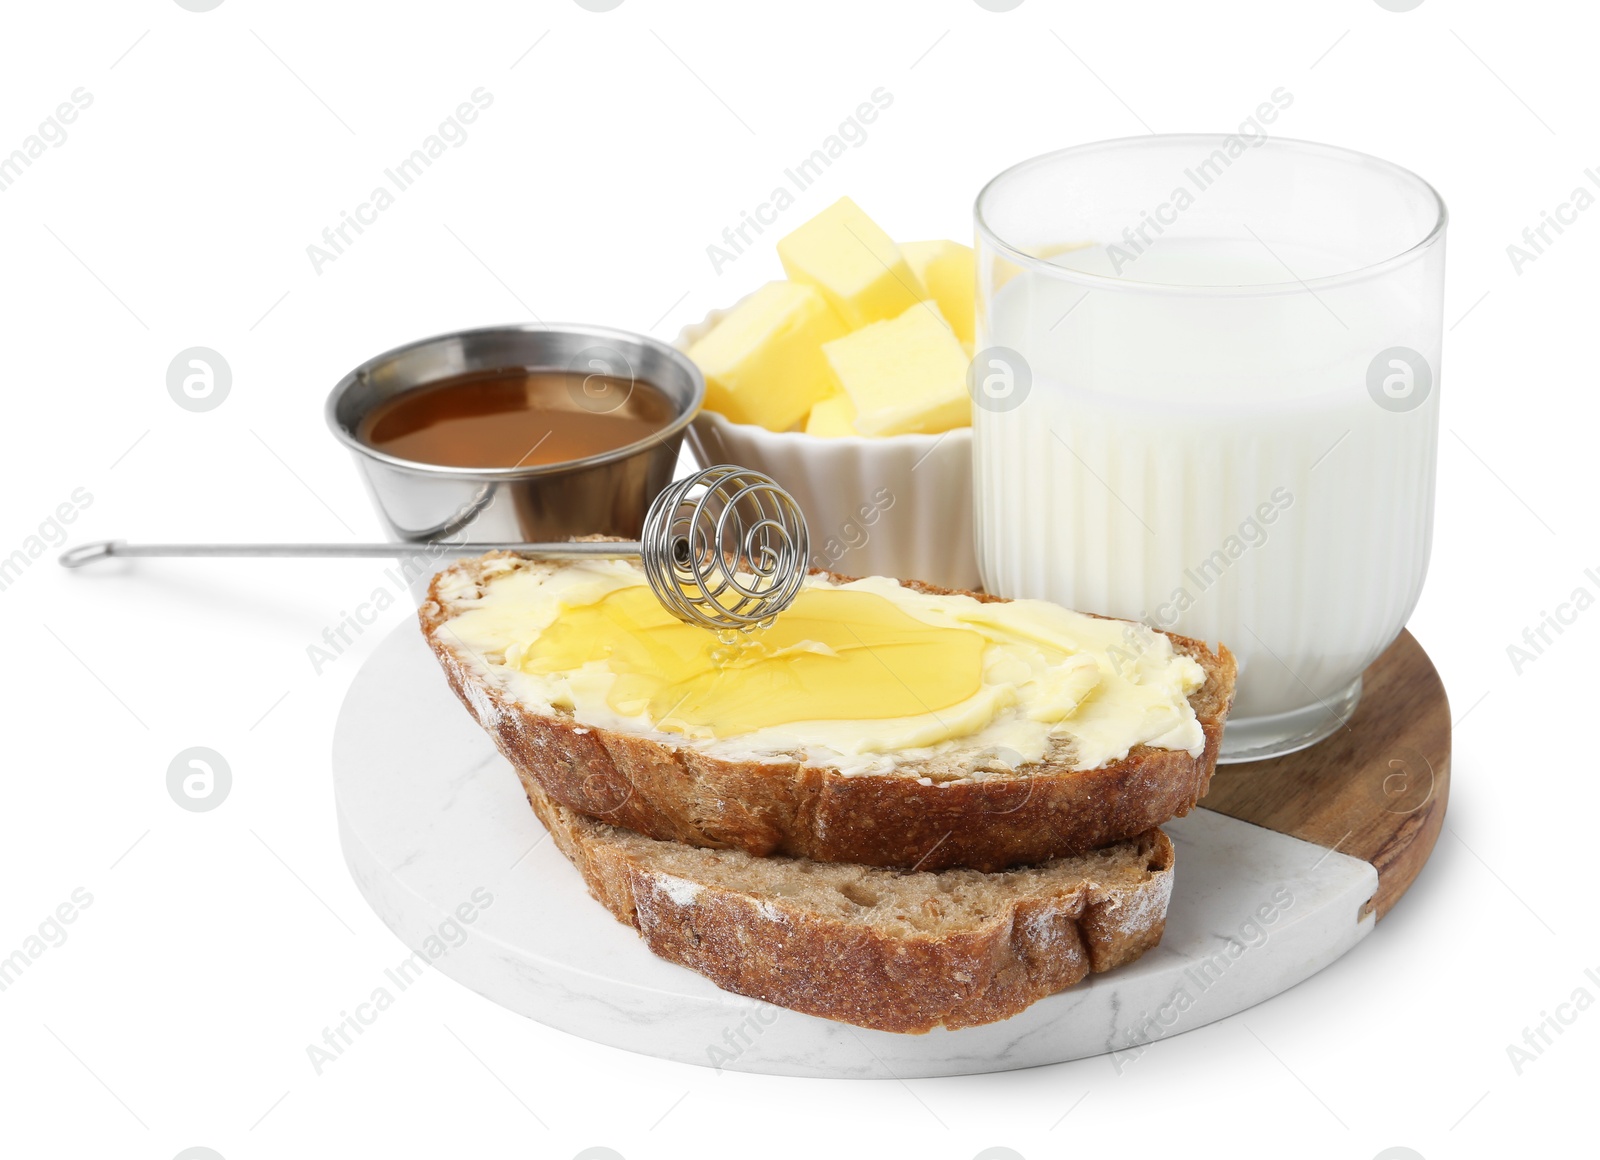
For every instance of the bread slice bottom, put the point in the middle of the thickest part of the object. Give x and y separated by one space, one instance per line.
891 950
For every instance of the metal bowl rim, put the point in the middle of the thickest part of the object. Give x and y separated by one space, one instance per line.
535 470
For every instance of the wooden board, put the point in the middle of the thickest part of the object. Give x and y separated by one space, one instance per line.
1375 790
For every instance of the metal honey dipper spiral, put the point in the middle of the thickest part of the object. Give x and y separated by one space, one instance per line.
725 548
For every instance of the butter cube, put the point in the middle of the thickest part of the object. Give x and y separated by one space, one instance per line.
949 273
908 374
833 417
763 360
858 268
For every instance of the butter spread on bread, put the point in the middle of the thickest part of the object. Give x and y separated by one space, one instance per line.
856 675
971 800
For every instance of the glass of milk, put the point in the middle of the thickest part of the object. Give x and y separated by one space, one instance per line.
1206 397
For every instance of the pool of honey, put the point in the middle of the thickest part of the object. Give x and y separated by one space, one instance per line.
516 417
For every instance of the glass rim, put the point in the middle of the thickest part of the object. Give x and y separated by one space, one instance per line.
1092 281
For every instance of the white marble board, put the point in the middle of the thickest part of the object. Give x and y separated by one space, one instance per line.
433 819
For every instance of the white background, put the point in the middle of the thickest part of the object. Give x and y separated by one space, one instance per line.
177 213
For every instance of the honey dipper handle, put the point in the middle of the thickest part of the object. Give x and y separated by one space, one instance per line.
82 554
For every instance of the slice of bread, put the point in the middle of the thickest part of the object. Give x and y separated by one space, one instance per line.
891 950
926 814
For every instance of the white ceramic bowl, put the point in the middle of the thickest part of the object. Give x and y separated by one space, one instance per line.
897 505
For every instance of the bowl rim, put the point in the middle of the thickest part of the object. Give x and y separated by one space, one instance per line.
533 470
906 439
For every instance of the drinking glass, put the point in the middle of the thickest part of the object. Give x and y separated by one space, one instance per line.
1207 398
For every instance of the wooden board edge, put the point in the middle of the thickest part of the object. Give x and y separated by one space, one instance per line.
1399 862
1377 790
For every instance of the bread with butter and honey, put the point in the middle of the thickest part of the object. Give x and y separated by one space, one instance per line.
877 722
890 950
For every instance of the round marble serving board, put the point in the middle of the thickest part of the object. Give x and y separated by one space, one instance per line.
1291 865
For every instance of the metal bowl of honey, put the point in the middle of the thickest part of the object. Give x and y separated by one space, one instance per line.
517 432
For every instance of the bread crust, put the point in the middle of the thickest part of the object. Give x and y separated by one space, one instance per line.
787 807
774 948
